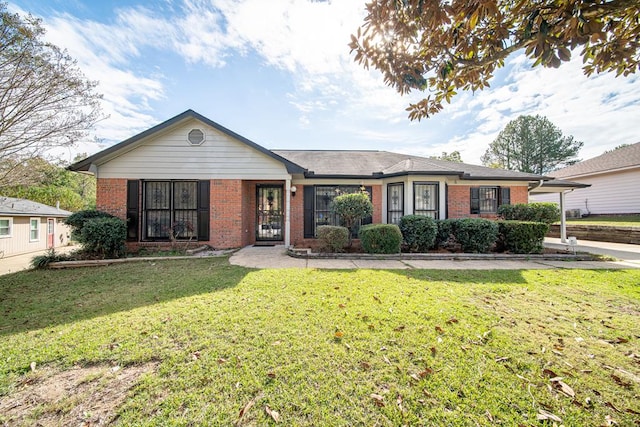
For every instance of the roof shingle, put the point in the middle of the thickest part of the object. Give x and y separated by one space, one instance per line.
621 158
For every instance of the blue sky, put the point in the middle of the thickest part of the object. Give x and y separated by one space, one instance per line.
279 72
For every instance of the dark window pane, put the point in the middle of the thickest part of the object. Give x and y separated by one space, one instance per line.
425 199
185 195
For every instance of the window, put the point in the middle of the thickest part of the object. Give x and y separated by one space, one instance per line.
6 225
34 229
487 199
395 203
170 208
317 206
425 199
195 137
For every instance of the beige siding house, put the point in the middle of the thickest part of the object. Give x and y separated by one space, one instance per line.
613 179
27 226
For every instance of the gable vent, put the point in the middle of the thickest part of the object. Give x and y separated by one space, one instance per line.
196 137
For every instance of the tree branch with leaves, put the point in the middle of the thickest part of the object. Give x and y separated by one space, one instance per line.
45 100
443 46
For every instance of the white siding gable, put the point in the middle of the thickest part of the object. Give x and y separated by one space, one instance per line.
169 155
614 193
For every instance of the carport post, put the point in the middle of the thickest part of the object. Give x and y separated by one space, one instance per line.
563 219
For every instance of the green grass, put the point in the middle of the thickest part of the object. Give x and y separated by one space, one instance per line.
438 347
605 220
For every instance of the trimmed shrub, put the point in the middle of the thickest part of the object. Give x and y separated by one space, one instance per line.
522 237
352 208
104 237
475 235
333 238
533 212
418 232
380 238
77 220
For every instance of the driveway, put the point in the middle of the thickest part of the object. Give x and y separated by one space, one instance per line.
17 263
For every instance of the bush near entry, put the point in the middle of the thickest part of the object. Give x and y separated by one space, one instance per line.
333 238
475 235
521 237
380 238
534 212
418 232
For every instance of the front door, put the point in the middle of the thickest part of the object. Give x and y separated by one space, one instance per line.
50 233
270 213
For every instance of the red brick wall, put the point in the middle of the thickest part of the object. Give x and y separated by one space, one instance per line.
226 221
297 216
111 196
459 200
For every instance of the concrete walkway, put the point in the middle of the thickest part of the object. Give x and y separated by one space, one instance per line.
276 257
16 263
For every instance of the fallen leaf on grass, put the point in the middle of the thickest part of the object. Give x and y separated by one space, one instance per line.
608 421
427 371
195 355
433 351
439 330
377 399
611 405
501 359
372 327
618 340
452 320
366 366
273 414
563 388
271 374
339 334
546 415
549 373
377 299
33 366
621 382
222 361
399 328
341 305
247 406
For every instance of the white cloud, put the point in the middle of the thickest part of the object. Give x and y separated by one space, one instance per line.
308 41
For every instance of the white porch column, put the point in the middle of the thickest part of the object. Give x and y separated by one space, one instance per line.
287 214
563 219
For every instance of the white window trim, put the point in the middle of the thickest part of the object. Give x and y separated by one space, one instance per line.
38 229
204 137
10 227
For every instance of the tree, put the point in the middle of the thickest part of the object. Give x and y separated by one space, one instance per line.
352 208
531 144
617 148
454 156
45 101
445 46
51 184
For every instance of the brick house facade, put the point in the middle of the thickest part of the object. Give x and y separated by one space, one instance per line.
191 178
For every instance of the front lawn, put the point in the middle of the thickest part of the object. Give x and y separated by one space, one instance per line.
200 342
608 220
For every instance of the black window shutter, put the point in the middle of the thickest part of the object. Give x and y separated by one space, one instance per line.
203 210
133 215
505 196
309 199
475 200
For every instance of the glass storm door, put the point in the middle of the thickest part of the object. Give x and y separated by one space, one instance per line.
270 213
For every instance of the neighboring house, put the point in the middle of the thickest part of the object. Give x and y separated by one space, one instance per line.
27 226
614 179
193 178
